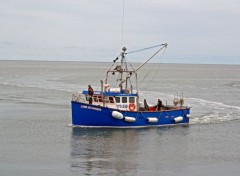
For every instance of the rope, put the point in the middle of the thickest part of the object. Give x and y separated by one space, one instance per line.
114 61
158 66
130 83
144 49
148 73
96 78
129 63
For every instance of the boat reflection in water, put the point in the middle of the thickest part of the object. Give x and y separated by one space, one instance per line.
103 151
144 151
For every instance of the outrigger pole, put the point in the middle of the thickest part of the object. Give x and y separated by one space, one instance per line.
135 71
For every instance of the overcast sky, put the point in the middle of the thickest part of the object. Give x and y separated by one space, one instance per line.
197 31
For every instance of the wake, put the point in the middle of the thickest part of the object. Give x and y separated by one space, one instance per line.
202 111
212 112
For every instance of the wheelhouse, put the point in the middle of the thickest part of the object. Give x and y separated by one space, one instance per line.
121 101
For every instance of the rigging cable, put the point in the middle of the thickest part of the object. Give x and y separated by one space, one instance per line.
129 63
158 67
126 61
163 46
144 49
159 64
114 61
162 55
95 79
148 73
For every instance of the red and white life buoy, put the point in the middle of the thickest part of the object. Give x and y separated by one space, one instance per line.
131 106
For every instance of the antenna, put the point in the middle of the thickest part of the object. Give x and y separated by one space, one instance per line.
123 21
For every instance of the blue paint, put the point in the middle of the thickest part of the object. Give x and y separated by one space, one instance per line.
91 115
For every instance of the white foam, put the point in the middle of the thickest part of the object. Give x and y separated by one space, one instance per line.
205 102
214 111
70 125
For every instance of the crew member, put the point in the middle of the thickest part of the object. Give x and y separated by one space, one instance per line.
159 105
90 93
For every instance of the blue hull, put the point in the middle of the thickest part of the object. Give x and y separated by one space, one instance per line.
97 116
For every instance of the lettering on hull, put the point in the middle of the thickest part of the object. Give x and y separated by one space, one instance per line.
90 107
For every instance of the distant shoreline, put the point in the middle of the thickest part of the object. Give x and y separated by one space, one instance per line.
60 61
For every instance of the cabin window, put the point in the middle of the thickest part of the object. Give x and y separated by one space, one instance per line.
131 99
100 99
95 98
117 99
111 100
124 99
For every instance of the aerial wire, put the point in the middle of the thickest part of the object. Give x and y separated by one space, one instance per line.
123 12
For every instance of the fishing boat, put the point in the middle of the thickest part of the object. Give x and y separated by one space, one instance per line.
120 106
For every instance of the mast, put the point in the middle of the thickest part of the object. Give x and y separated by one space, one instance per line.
123 73
121 69
124 49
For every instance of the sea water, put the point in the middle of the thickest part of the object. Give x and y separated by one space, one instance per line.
35 112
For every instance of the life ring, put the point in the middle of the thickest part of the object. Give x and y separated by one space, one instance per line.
131 106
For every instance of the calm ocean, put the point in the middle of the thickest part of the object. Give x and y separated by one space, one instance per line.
35 113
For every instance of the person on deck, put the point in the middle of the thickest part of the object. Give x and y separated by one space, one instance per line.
159 105
90 93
